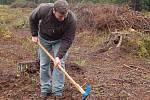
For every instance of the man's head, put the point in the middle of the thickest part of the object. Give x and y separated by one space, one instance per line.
61 9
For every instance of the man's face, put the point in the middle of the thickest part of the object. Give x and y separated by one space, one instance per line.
60 17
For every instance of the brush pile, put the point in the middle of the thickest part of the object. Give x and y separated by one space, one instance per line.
110 18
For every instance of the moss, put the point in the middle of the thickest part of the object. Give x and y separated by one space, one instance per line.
144 48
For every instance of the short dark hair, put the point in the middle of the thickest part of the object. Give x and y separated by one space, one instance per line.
61 6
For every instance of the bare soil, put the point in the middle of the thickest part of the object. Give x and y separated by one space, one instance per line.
113 75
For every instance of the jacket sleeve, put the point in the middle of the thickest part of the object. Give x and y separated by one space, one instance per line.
67 39
34 19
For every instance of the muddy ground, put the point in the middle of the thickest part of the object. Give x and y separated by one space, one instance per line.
113 75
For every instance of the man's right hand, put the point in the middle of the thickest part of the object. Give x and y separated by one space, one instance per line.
35 39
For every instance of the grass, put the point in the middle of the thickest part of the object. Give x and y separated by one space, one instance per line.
144 48
146 13
92 40
18 19
28 45
3 6
81 62
4 32
10 16
21 23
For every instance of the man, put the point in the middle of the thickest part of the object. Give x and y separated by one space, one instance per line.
54 25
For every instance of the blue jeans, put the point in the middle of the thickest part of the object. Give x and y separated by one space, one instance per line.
50 80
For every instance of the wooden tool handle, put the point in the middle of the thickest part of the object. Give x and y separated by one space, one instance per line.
63 70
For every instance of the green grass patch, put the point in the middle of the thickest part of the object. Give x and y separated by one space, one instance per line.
28 45
144 48
81 62
4 32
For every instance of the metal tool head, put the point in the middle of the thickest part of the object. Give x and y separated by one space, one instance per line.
87 92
